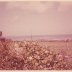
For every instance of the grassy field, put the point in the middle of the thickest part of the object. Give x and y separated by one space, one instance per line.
59 46
35 55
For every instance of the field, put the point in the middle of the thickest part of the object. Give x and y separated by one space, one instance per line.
35 55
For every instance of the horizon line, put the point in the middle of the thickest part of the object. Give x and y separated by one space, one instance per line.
37 35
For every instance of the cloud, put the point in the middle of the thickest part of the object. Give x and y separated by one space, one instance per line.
38 6
65 6
32 5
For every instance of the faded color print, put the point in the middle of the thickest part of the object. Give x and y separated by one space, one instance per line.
36 35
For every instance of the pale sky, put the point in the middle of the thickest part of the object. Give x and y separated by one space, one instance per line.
36 18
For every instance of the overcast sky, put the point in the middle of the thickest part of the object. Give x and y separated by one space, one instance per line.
36 18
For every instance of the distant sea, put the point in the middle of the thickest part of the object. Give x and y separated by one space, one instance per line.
40 37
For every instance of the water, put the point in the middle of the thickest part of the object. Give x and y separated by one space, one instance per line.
43 37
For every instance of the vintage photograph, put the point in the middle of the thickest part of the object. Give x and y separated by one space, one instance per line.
35 35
